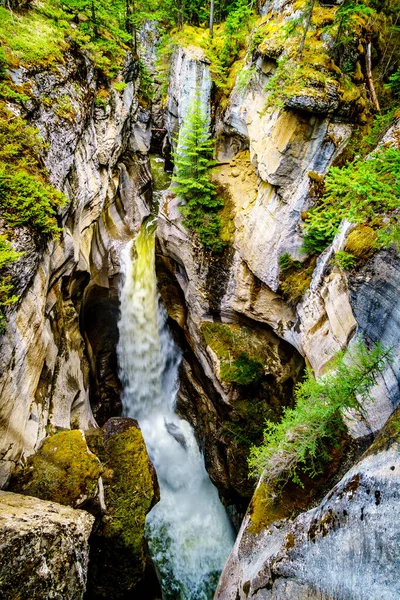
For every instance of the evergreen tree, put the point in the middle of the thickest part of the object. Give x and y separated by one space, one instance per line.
193 159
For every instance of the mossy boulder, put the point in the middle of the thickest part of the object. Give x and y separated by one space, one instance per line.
118 562
63 470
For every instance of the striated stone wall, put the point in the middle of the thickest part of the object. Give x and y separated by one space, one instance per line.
46 364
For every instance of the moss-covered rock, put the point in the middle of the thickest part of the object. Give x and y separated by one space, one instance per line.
63 470
118 549
258 372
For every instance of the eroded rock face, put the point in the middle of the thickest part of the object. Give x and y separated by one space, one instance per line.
94 157
43 549
346 547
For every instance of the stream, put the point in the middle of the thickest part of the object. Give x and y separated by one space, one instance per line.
188 531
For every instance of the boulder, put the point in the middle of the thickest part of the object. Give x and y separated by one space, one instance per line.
43 549
346 547
118 562
63 470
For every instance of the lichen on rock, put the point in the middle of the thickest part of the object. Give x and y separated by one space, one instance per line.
43 549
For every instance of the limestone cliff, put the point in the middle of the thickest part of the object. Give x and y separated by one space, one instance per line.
268 164
95 156
265 160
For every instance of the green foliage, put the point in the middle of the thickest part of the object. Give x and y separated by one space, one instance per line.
244 77
64 108
146 88
120 86
242 370
381 122
394 83
3 63
344 260
362 192
300 442
30 36
7 256
192 159
26 197
28 201
8 93
286 262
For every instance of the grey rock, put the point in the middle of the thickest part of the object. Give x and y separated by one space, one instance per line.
345 548
43 549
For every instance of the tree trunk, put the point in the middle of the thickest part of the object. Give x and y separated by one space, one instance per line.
306 28
95 29
370 81
211 18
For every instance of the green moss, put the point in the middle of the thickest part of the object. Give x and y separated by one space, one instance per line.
130 492
226 216
361 242
64 108
119 86
63 470
242 351
263 510
388 435
295 279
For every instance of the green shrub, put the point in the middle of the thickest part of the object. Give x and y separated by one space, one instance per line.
300 442
244 77
344 260
394 83
362 192
27 201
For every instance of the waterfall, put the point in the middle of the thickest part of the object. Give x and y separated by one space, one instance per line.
188 531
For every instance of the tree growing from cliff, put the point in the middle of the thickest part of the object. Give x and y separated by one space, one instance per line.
193 158
300 443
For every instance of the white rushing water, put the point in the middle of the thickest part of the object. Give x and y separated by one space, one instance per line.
188 531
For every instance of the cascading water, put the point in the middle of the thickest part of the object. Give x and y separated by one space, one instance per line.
188 531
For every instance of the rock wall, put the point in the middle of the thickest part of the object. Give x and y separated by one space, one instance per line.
93 157
266 164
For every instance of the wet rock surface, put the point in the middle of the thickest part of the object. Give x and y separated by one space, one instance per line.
43 549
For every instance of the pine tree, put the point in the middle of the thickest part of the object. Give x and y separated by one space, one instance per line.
193 159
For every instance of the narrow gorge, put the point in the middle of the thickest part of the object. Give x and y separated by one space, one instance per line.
199 315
